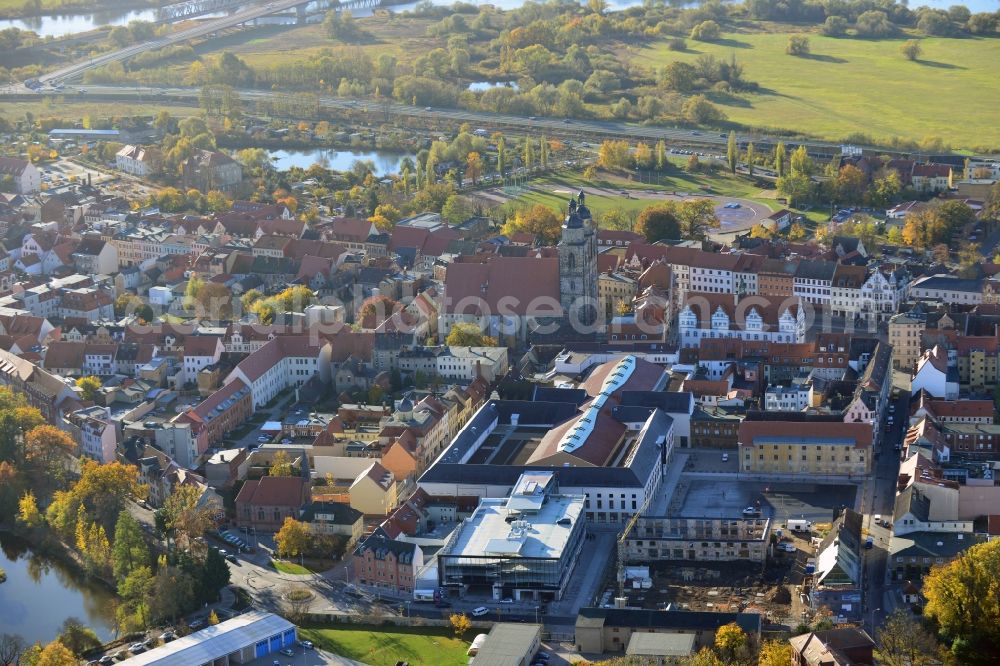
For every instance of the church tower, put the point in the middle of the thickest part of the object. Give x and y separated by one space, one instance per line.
578 263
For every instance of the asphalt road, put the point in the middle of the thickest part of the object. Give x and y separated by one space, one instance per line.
486 120
207 28
879 593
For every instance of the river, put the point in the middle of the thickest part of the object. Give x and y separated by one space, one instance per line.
40 594
58 25
338 160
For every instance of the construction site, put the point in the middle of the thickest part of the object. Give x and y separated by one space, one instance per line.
724 574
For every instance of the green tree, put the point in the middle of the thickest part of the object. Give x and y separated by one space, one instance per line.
281 465
704 657
185 517
658 222
798 45
780 159
801 163
529 154
911 49
539 220
460 624
751 157
55 654
963 603
129 551
28 513
850 184
834 26
732 152
89 386
214 576
456 209
501 156
706 31
885 189
679 76
699 111
468 335
697 218
797 188
77 637
135 591
874 23
731 641
173 592
293 538
775 653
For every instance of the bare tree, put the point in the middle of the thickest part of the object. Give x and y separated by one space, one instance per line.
11 648
903 641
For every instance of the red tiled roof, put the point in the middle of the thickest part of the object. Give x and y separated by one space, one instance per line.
770 309
931 170
962 408
260 361
65 355
861 433
202 345
525 285
354 229
273 491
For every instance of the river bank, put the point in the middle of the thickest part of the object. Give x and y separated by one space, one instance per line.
13 10
45 586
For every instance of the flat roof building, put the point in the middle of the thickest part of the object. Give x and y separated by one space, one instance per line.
237 641
509 644
612 456
524 546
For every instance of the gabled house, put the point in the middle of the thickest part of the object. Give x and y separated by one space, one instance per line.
265 503
934 376
384 563
838 567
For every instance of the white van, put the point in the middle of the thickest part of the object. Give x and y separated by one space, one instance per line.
481 611
799 525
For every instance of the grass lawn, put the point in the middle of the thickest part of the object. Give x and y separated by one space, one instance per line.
386 646
284 566
856 85
554 191
269 46
76 108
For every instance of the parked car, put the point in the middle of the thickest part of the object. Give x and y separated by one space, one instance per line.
288 652
232 558
137 648
869 542
751 511
787 547
306 644
105 660
480 611
725 457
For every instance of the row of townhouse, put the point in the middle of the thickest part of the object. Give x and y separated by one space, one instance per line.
846 289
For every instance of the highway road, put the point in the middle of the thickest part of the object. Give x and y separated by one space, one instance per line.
538 125
75 70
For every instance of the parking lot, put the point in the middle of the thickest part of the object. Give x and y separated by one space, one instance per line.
728 498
